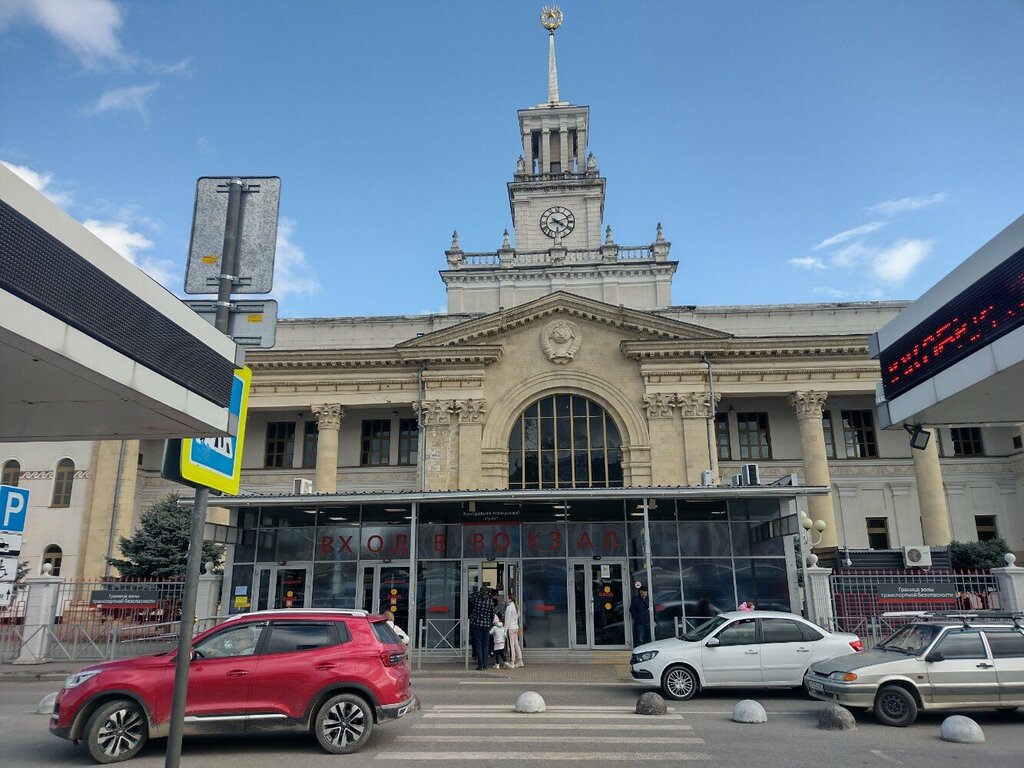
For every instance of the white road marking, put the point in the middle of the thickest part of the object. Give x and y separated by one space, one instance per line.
534 725
576 715
535 684
550 707
420 738
498 755
884 756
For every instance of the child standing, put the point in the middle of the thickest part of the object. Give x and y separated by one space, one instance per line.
498 634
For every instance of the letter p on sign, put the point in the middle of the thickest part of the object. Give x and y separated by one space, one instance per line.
13 506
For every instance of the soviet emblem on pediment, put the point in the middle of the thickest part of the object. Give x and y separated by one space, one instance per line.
561 340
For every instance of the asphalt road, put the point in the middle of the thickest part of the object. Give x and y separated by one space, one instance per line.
470 722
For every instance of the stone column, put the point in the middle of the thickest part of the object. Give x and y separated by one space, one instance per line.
328 423
818 594
111 506
40 611
812 450
471 433
208 594
931 496
1011 585
563 148
528 151
581 150
545 151
667 464
694 408
441 455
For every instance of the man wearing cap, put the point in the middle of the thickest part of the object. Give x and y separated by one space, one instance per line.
640 613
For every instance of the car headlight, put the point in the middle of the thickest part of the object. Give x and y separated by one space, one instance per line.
646 655
843 677
75 680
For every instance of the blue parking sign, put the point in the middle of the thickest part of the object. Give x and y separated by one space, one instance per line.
13 508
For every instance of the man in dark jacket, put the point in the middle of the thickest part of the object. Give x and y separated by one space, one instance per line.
639 611
481 615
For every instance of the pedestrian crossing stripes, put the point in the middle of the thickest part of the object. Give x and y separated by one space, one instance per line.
569 734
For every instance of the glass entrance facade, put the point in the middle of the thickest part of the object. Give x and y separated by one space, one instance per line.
571 563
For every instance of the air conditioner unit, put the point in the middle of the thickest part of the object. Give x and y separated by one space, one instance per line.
301 486
917 556
751 474
707 478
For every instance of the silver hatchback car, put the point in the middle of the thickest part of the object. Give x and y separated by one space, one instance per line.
938 662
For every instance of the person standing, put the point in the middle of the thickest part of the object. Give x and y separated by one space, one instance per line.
481 614
640 613
514 629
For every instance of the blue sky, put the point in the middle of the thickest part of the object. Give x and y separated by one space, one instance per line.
793 151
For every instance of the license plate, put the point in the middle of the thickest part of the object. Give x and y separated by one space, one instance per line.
813 686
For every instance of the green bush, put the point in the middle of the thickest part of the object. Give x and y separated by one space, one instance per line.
974 555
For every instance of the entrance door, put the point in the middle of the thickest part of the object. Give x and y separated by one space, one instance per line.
502 575
597 604
283 586
384 588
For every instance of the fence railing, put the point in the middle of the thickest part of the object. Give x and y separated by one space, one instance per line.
867 602
440 638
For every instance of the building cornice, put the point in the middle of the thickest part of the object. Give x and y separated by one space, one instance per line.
724 349
387 358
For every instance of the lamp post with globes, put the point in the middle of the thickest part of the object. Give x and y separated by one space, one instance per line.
810 537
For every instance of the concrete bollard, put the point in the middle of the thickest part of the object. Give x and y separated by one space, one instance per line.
836 718
650 703
45 706
749 711
530 702
961 730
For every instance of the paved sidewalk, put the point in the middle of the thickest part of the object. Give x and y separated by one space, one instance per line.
539 672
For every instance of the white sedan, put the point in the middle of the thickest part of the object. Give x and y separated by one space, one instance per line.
739 649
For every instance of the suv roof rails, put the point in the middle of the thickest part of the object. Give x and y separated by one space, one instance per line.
1017 617
298 611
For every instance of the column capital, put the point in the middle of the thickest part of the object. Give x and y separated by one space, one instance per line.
328 415
695 405
434 413
659 405
808 405
471 411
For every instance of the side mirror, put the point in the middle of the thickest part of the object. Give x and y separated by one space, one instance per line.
713 642
934 656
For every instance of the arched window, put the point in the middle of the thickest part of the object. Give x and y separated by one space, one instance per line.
63 479
564 441
11 473
53 555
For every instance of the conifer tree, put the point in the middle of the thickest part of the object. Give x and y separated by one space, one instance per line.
159 548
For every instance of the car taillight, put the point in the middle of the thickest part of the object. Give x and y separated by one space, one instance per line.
392 658
857 646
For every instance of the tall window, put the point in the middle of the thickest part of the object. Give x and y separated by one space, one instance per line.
280 443
755 440
722 435
859 433
986 527
63 479
11 473
830 439
310 439
408 441
878 533
967 441
376 447
53 555
564 441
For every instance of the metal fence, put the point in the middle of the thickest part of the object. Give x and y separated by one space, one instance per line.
440 638
868 602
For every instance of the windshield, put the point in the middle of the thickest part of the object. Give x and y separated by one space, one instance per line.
704 629
911 640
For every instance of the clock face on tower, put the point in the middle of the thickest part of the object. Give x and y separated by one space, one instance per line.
557 221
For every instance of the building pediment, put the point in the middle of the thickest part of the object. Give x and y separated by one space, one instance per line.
636 323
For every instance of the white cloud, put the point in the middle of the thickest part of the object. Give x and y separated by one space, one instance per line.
850 234
292 273
88 28
892 207
850 255
41 182
133 245
807 262
130 99
895 263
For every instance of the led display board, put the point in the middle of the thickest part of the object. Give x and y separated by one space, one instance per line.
990 308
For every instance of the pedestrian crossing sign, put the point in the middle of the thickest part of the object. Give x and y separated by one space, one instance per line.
216 462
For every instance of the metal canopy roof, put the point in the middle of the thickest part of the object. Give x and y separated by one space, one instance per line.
91 346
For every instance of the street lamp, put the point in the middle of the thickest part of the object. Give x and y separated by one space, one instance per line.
811 535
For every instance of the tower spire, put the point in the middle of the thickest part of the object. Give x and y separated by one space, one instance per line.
551 18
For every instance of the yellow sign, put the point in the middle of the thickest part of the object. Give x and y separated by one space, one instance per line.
216 462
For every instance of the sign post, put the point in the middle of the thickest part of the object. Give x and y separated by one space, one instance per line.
249 216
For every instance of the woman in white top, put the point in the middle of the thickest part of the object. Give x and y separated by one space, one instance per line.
514 630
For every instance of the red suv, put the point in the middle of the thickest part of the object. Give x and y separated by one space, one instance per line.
334 672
